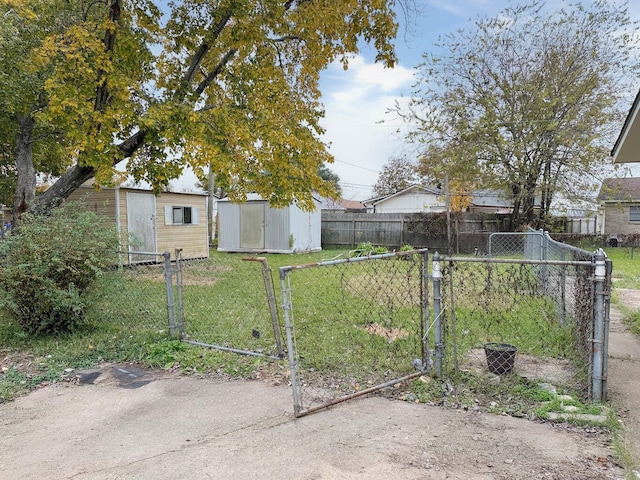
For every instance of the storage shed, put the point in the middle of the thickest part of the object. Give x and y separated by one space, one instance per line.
254 226
150 223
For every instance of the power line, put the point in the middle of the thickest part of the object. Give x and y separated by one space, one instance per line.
357 166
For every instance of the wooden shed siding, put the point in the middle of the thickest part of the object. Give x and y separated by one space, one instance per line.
191 238
101 202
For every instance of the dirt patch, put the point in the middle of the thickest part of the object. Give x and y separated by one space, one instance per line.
186 279
553 370
391 334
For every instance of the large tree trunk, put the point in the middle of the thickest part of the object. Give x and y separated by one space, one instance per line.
63 187
79 174
26 184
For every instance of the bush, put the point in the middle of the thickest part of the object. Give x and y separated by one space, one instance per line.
50 262
365 249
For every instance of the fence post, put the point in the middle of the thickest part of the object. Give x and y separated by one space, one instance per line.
180 324
598 327
168 281
288 326
427 362
437 312
607 319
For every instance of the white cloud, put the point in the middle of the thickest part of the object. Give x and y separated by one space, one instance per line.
356 102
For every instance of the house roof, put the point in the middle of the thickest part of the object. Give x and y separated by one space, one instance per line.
491 198
627 146
340 204
350 204
410 188
620 190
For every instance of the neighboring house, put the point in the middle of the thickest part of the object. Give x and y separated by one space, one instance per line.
341 205
412 199
490 201
255 226
627 146
619 211
150 223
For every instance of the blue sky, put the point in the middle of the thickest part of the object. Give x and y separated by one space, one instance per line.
356 101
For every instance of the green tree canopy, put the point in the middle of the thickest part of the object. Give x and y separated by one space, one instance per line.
527 102
397 174
331 177
231 83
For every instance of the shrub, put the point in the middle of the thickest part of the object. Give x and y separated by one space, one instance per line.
50 262
365 249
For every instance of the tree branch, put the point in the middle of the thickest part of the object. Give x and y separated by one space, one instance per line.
198 56
102 91
215 72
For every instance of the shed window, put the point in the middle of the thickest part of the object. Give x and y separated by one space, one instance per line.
175 215
634 213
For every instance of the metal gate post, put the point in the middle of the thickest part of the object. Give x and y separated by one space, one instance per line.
437 312
427 361
288 325
607 320
179 290
598 327
168 276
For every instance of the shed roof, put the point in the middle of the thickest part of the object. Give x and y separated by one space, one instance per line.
620 190
120 185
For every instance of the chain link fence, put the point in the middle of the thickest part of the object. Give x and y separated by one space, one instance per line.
541 302
354 326
136 295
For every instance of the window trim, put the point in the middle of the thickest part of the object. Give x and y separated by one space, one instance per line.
188 212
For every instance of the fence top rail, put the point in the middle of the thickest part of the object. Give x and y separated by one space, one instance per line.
338 261
151 254
560 244
512 260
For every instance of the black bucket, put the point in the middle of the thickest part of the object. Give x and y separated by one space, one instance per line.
500 357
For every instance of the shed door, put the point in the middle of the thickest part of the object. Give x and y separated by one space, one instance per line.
141 223
252 226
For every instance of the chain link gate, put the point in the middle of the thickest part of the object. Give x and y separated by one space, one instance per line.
227 302
355 326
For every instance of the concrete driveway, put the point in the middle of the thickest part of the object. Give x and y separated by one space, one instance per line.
123 423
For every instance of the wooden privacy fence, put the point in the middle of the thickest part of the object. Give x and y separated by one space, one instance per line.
392 230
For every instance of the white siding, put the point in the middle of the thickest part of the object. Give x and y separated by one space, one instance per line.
410 203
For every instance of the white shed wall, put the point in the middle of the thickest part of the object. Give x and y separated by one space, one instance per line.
228 226
306 229
286 230
277 229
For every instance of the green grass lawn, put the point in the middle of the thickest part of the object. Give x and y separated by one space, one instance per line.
626 274
225 304
128 323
